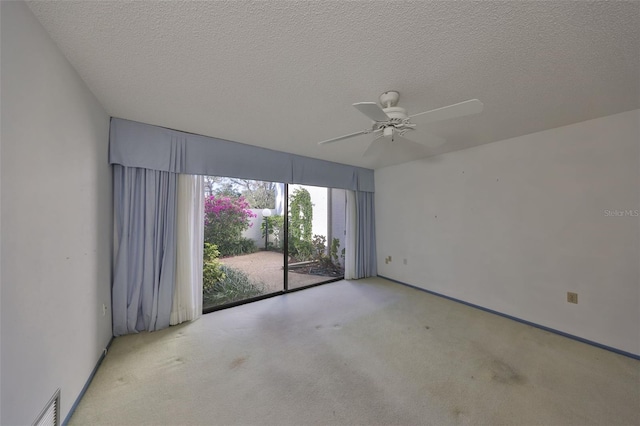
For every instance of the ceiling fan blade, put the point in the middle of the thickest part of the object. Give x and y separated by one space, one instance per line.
461 109
428 140
373 111
375 148
339 138
400 150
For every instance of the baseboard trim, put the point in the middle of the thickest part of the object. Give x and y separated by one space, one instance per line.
542 327
86 385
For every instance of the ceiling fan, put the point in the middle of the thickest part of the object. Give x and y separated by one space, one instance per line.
391 121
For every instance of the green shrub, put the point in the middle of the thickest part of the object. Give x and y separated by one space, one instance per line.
300 220
235 286
319 248
211 267
333 252
301 250
225 218
301 215
241 246
275 222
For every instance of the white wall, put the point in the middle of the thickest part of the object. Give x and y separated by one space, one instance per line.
255 232
56 222
513 225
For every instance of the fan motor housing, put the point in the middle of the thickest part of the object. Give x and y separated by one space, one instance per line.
396 113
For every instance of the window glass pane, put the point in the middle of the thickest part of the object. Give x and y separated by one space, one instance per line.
316 235
239 262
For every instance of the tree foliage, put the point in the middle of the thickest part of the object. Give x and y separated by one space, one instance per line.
259 194
210 184
227 189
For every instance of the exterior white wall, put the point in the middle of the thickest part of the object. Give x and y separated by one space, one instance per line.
319 197
56 222
255 232
514 225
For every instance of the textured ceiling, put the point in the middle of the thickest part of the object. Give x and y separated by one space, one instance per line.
283 75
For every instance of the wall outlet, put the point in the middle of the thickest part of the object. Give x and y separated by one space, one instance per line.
572 297
104 310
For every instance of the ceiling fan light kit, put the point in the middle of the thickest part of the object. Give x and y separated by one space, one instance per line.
387 132
390 120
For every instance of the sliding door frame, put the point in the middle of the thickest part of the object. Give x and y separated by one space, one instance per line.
285 248
285 253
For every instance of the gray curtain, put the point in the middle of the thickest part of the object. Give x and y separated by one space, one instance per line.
145 204
366 265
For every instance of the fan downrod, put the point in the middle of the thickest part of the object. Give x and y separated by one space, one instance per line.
389 99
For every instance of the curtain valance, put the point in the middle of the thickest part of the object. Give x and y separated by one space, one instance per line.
134 144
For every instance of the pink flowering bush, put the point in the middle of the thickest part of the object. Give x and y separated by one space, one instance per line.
225 218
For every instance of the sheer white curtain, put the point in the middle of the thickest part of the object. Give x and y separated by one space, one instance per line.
187 295
350 240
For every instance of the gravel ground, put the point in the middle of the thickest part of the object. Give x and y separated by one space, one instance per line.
266 266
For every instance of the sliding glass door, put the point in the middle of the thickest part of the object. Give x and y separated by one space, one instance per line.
239 264
264 238
316 235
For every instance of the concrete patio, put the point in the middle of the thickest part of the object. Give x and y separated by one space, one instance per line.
267 267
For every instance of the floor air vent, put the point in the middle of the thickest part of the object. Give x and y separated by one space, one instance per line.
50 415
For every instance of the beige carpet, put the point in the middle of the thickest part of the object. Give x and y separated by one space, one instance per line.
365 352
